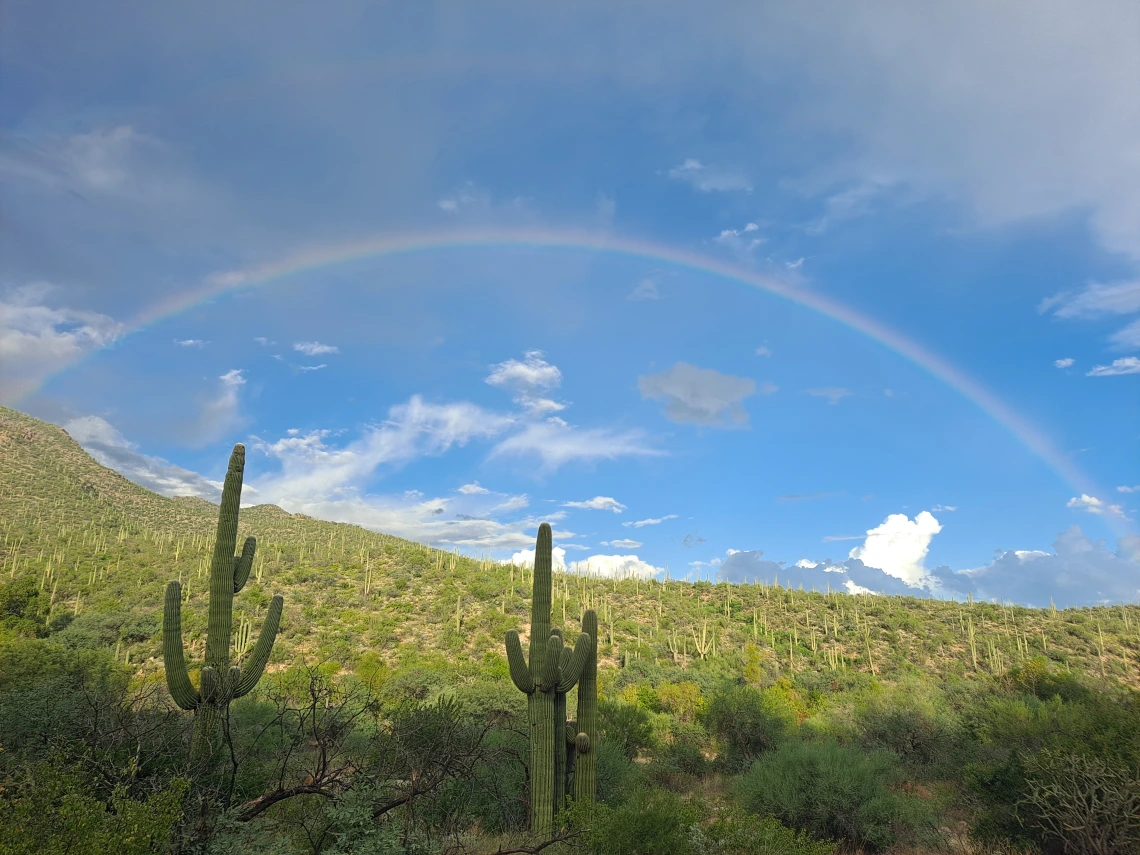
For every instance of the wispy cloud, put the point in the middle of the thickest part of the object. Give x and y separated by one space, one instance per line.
803 497
1127 365
650 521
314 348
311 367
625 543
598 503
190 342
37 339
710 179
556 443
1067 362
834 394
472 489
646 289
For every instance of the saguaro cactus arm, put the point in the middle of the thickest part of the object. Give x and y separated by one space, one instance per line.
259 656
549 678
173 657
520 673
244 563
574 661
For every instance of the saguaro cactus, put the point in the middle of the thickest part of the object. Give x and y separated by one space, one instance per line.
586 740
538 679
570 665
220 682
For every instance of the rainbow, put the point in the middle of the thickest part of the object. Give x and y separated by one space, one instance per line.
604 242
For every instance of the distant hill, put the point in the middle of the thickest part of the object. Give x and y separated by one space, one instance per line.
102 549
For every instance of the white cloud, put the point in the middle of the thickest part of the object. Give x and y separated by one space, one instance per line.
528 377
851 203
525 558
899 545
699 395
262 340
314 348
37 340
221 413
190 342
646 289
1126 489
472 489
624 543
742 240
651 521
1093 505
557 443
763 350
833 393
1067 362
1126 365
709 179
619 566
832 538
104 442
794 265
938 508
517 503
1126 338
311 367
598 503
1096 300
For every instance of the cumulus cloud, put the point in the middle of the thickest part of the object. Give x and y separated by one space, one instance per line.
710 179
314 348
742 240
103 441
699 396
1127 365
1093 505
528 379
834 394
899 545
36 339
598 503
1079 572
1067 362
525 558
473 488
650 521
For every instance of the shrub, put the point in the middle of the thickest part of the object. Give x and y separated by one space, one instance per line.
1091 806
737 833
617 776
916 726
833 791
745 724
649 822
625 726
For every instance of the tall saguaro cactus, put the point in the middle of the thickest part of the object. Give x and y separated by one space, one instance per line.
586 762
219 682
570 665
537 679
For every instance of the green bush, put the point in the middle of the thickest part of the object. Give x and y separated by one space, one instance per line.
833 791
617 775
912 722
649 822
625 725
48 810
745 724
738 833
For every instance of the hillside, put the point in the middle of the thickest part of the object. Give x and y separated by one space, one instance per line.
102 549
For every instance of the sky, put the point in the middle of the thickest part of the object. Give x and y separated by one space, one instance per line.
840 295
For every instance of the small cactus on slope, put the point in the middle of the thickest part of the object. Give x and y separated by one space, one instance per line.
537 679
219 682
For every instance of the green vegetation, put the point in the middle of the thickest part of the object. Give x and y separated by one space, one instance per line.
707 719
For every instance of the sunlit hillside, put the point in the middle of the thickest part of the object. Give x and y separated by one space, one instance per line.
101 550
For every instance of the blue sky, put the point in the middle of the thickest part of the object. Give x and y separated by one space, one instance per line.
937 171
